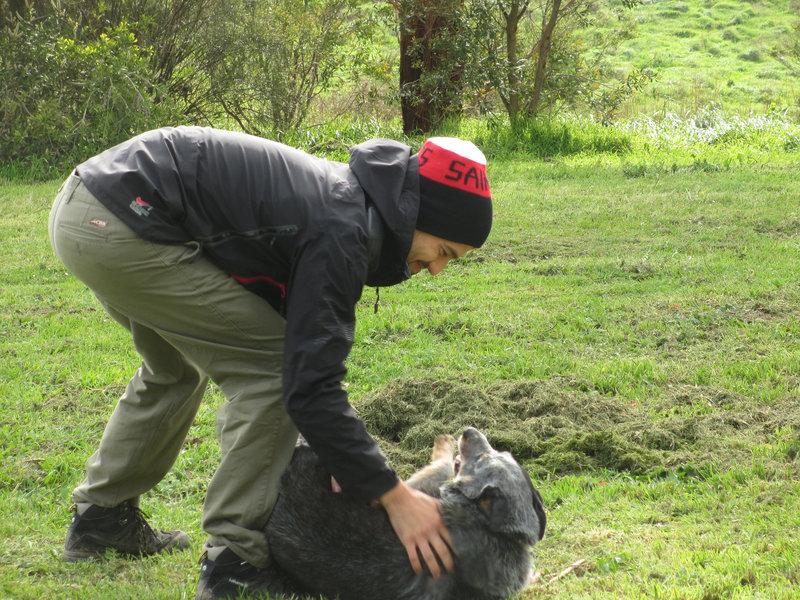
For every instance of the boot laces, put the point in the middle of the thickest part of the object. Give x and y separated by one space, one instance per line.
134 521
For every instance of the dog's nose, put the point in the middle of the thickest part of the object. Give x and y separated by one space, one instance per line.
473 442
470 432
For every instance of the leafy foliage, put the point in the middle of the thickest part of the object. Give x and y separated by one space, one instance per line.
65 95
607 103
78 77
534 61
278 57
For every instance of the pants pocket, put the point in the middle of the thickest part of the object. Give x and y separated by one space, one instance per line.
63 197
185 253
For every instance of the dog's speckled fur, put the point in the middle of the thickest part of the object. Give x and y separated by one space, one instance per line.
328 545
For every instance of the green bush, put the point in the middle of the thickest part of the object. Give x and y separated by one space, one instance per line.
65 98
752 55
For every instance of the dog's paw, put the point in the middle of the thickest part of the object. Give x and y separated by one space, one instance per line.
534 578
443 447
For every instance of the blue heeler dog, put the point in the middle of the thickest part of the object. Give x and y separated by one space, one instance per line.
327 545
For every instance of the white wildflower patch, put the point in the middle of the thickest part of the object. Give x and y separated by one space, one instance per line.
711 127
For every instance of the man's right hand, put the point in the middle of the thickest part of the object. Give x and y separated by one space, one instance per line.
417 521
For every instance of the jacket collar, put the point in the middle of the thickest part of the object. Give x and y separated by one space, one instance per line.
389 176
385 267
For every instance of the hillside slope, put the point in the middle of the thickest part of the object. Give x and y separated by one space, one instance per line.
712 51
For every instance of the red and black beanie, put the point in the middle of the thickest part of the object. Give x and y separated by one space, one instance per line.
455 201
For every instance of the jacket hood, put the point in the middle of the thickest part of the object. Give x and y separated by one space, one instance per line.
389 176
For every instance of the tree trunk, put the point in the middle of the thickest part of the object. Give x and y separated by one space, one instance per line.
422 23
415 108
512 18
548 25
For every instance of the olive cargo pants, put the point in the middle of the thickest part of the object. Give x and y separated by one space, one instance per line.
190 322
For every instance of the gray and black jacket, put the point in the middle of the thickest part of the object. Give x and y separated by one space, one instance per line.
304 233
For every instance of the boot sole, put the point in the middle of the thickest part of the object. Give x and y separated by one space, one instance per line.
80 555
180 542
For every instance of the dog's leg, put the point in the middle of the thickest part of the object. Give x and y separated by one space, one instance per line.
444 447
441 469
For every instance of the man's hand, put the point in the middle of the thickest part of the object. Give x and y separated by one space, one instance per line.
418 523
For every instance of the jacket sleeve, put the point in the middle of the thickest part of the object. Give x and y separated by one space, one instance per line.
320 321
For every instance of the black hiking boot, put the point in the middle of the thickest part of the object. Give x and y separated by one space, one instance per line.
228 576
122 528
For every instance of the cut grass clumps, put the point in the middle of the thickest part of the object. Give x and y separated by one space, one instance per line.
564 425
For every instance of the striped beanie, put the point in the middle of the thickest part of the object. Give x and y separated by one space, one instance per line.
455 201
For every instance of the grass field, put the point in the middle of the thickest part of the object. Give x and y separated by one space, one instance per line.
710 51
631 331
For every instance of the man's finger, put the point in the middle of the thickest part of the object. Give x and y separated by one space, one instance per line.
445 533
430 560
442 550
413 557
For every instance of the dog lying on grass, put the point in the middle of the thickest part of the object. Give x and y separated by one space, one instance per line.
326 545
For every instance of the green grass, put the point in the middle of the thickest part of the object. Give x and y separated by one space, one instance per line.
630 330
710 51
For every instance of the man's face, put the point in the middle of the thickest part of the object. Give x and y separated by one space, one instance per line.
433 253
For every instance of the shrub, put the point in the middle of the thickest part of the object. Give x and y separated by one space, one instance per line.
730 35
278 57
752 55
792 143
64 98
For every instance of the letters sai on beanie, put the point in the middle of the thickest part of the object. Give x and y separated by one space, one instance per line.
455 201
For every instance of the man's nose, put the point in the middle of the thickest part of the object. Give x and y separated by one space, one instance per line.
437 266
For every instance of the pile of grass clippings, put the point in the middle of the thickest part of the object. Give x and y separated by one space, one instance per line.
562 425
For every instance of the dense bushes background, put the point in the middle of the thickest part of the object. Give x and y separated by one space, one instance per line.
77 76
64 95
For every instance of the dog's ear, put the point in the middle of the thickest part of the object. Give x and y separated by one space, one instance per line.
494 505
510 518
538 508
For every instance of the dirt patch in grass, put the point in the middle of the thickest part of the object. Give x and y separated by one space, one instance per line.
514 251
564 425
